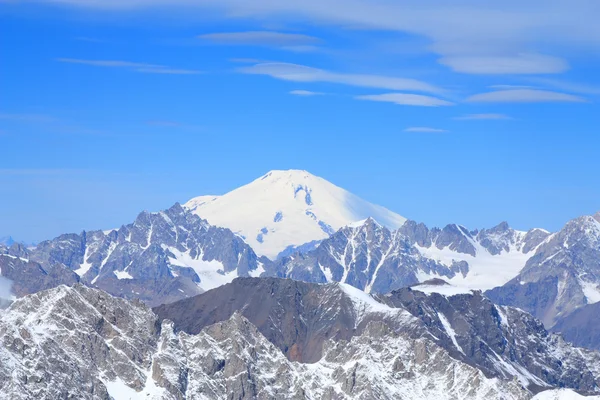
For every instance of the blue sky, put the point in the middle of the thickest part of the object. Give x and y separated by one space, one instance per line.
441 112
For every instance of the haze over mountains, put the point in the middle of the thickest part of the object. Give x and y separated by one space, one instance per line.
308 256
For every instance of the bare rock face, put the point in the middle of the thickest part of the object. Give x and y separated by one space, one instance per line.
368 256
374 259
562 276
233 357
159 258
300 318
500 341
28 277
582 326
82 343
297 317
68 342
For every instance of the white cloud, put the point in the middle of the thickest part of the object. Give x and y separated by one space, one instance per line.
519 64
108 63
423 129
133 66
301 73
567 86
406 99
524 96
305 93
168 71
464 32
502 87
483 117
261 38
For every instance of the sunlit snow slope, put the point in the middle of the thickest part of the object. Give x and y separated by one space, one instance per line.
288 208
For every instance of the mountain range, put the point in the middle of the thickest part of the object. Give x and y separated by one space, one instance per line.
274 338
223 269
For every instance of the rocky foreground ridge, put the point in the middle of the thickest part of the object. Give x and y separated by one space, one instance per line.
273 339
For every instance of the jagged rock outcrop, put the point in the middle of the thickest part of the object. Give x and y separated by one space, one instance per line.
28 277
582 326
160 258
499 340
370 257
79 342
562 276
299 318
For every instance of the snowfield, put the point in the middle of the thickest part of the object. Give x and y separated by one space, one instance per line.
288 208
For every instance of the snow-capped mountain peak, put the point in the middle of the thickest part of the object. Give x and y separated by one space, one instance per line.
7 240
288 208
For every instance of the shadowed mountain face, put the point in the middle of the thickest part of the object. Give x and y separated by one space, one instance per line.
27 276
562 276
582 326
81 343
299 318
499 340
160 257
372 258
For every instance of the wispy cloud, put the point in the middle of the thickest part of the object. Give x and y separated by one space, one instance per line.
133 66
168 71
524 96
502 87
483 117
467 34
572 87
305 93
261 38
424 129
406 99
247 60
301 73
520 64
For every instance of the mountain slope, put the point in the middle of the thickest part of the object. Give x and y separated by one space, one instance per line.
7 241
563 276
370 257
78 342
287 208
582 326
300 318
160 257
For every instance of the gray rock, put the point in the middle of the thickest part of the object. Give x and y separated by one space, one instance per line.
368 257
29 277
558 279
581 327
301 318
499 340
152 258
79 342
